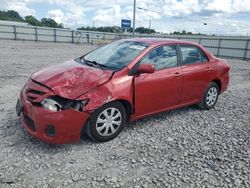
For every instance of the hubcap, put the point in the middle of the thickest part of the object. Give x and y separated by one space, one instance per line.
211 96
108 121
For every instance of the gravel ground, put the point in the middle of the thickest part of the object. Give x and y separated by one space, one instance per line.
181 148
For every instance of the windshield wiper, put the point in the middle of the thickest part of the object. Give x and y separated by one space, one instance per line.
92 63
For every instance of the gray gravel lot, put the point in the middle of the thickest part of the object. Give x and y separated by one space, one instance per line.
181 148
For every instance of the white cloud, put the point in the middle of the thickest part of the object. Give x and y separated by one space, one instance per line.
111 15
179 8
228 6
57 15
221 5
19 6
71 13
77 13
241 6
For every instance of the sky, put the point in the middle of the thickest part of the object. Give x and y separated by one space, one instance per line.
222 17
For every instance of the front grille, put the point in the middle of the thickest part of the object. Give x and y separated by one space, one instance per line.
29 122
33 95
34 91
31 98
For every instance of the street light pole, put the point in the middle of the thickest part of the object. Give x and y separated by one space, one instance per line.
134 18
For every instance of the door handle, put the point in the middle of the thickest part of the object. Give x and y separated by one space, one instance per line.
177 74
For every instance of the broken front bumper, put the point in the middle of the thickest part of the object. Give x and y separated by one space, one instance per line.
53 127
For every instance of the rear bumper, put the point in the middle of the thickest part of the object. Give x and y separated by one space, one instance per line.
52 127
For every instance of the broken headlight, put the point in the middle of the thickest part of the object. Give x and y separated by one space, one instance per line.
51 104
57 103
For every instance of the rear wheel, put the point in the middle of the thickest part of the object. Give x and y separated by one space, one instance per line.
210 97
106 122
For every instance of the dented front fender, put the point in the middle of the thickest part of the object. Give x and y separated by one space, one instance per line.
115 89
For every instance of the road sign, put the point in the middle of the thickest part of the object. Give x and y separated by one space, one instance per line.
126 24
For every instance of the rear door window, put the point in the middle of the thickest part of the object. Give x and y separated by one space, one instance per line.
192 54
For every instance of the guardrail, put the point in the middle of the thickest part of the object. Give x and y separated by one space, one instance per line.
221 46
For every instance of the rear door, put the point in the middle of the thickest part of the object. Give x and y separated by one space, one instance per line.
161 89
196 71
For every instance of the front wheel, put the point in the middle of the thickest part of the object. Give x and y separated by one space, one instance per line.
106 122
210 97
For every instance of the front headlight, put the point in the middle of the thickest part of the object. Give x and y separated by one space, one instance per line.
57 103
51 104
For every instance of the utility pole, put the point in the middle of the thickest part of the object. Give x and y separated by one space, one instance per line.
134 18
149 24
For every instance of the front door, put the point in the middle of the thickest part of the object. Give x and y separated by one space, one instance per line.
162 89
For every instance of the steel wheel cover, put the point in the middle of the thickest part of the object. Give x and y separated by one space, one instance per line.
109 121
211 96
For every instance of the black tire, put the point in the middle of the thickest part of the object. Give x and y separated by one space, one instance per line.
91 127
204 104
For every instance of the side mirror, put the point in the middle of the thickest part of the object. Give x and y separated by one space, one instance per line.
146 68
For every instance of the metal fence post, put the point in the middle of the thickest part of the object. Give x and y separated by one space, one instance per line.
199 40
218 48
15 35
87 38
72 36
54 35
246 49
36 38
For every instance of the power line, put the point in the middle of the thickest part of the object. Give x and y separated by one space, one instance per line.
150 10
193 20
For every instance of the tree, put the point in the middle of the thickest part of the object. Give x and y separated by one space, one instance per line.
144 30
116 29
113 29
185 33
49 22
60 25
32 21
11 15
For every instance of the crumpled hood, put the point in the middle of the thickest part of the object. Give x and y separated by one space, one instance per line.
71 79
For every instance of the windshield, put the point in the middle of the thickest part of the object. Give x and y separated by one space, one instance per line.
116 55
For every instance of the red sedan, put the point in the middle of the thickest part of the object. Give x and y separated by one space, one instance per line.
119 82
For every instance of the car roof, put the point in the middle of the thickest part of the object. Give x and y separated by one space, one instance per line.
160 41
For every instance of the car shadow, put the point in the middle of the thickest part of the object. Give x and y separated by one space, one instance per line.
161 116
15 135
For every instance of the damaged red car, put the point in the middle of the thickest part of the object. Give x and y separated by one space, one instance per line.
116 83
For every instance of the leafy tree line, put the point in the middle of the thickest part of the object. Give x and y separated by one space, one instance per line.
12 15
116 29
113 29
144 30
185 33
47 22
